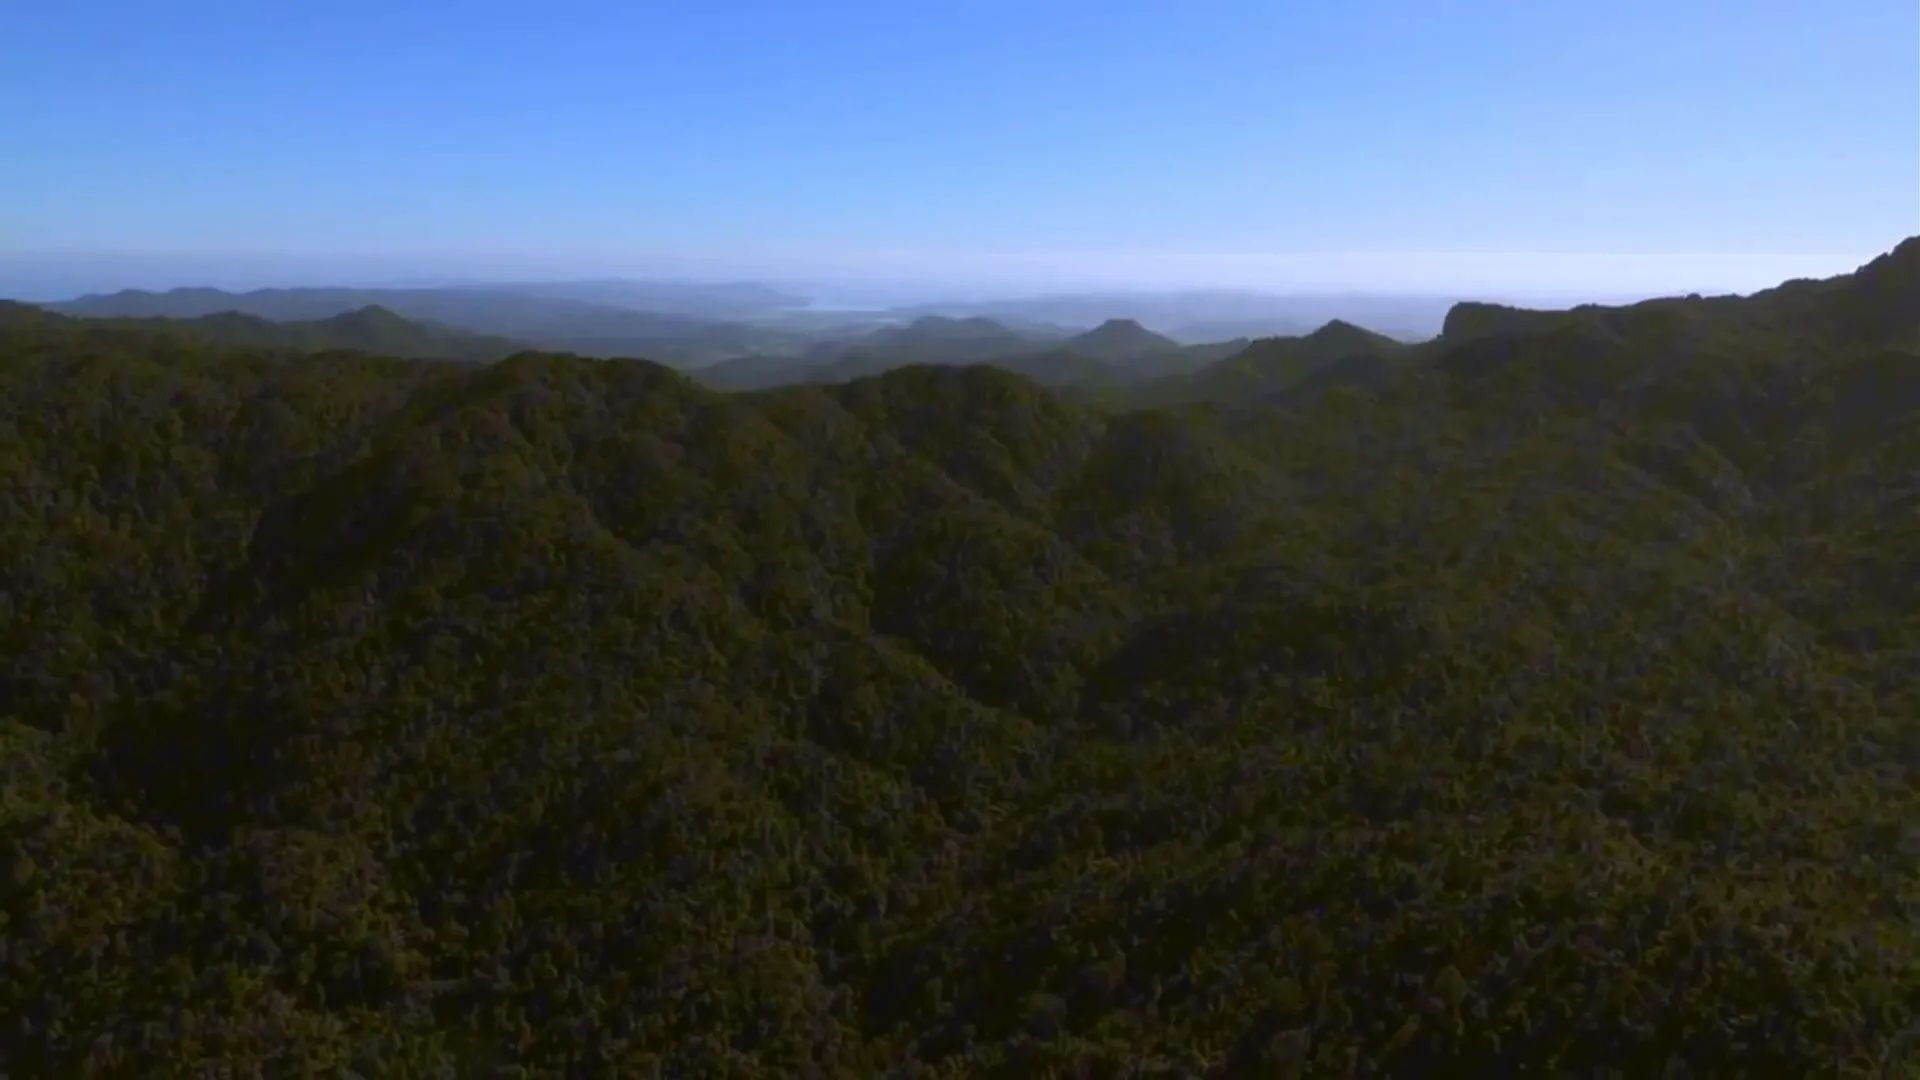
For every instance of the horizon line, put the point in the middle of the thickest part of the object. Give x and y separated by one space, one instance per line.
890 253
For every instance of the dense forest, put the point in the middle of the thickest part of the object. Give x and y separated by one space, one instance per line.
1538 701
682 325
367 330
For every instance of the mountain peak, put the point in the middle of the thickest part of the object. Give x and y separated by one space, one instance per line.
373 316
1339 336
945 327
1119 339
1336 330
1901 265
1475 318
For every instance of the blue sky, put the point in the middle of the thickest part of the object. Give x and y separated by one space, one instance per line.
1503 145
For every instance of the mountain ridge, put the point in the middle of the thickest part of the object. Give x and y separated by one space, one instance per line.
546 321
374 330
418 718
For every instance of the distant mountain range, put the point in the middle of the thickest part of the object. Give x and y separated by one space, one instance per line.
690 324
1117 351
1120 360
555 322
1125 348
372 330
1193 317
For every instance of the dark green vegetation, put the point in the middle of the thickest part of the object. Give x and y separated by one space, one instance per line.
1544 700
1275 368
549 317
373 330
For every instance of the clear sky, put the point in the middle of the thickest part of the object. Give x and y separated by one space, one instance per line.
1491 145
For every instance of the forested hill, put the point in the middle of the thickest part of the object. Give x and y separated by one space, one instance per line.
372 330
1546 705
552 317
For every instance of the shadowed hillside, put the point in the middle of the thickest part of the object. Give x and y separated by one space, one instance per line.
370 330
1542 700
1272 366
1120 340
553 318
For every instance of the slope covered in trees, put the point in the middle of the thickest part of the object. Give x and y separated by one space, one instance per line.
1120 340
372 330
554 317
1273 366
1546 704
